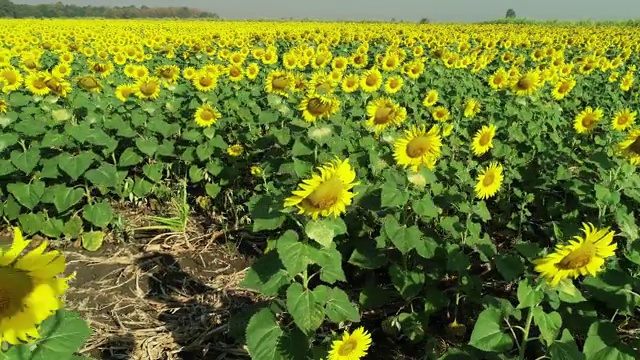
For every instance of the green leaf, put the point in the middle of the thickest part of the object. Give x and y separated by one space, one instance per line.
305 309
73 228
62 334
65 197
323 231
481 210
426 207
409 283
28 195
509 266
330 261
627 223
527 295
266 275
6 167
99 214
31 223
263 335
549 324
92 240
52 228
25 161
153 171
212 190
339 308
141 187
565 348
373 296
265 213
147 146
392 196
488 335
300 149
293 253
75 166
129 158
615 289
106 175
602 343
568 292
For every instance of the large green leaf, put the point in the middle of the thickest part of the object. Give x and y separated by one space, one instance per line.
106 175
488 334
565 348
99 214
549 324
306 310
293 253
62 334
65 197
267 275
263 335
602 343
339 308
409 283
28 195
75 166
27 160
323 231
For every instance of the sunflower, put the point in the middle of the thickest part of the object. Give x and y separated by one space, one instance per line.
3 106
623 119
89 83
526 84
630 147
483 140
587 119
383 112
489 181
140 72
418 147
10 79
36 83
350 83
235 73
31 288
252 70
278 82
499 80
317 106
393 84
168 73
584 255
189 73
626 82
353 346
471 108
440 113
103 69
327 193
614 77
413 69
322 83
58 85
205 81
256 170
563 87
371 80
447 130
431 98
340 63
148 88
124 91
206 115
61 70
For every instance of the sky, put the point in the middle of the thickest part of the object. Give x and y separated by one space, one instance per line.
408 10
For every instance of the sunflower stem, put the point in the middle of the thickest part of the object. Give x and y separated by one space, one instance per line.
525 336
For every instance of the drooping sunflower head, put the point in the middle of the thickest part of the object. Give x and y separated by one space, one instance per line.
371 80
563 87
383 112
279 82
489 181
36 83
89 83
584 255
31 288
471 108
418 147
326 193
316 106
206 115
527 83
148 88
630 147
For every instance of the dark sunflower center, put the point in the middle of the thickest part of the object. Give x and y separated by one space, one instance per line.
99 68
166 73
419 146
148 88
525 83
89 83
489 178
371 80
280 83
206 81
577 258
318 107
564 87
10 77
588 120
347 347
325 195
206 115
383 114
623 119
498 79
394 83
15 286
235 72
635 146
484 139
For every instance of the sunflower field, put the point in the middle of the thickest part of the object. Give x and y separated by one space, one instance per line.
443 191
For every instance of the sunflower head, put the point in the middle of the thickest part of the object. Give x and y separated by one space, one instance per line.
351 346
489 181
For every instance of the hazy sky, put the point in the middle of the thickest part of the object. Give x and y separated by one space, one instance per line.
411 10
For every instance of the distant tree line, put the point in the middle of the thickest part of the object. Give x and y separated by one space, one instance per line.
59 10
